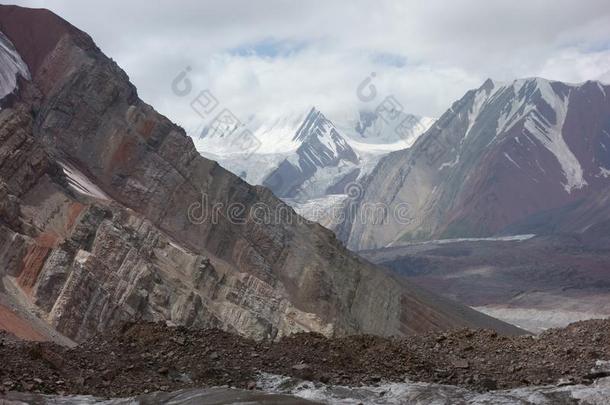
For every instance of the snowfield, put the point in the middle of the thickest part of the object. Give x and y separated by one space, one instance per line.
81 183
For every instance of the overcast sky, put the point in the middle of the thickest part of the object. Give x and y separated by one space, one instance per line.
266 58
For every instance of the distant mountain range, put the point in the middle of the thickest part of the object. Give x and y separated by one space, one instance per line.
528 156
310 159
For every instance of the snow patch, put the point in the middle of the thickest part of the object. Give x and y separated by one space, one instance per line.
450 163
507 156
11 66
81 184
549 134
480 100
494 238
82 256
603 172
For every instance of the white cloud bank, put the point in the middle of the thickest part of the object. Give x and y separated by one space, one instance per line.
267 58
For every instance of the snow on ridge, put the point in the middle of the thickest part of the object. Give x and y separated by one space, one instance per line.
549 134
519 83
369 131
603 172
275 137
329 136
11 66
481 98
601 87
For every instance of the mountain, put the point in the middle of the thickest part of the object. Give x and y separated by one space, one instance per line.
505 159
366 132
253 163
108 214
309 160
323 158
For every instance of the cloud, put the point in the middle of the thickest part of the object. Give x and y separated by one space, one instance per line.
575 65
264 59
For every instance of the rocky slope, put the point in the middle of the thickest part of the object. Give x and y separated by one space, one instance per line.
109 214
505 158
153 357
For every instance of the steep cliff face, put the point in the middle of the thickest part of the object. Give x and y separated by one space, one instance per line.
109 213
499 160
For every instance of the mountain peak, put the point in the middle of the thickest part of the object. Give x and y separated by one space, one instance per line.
313 125
488 84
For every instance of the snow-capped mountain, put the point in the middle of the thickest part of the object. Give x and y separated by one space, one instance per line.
274 142
323 159
308 159
11 67
496 161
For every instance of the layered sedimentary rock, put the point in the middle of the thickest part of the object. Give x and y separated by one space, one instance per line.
109 213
